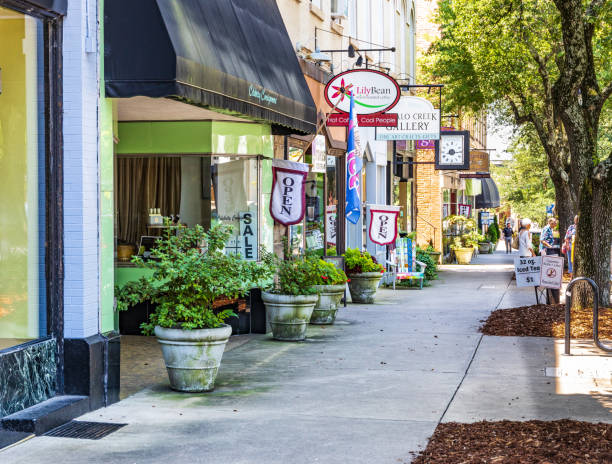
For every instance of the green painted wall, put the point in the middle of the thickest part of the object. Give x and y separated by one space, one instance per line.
181 137
108 319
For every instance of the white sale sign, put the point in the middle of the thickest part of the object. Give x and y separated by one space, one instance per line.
288 199
383 224
527 271
552 272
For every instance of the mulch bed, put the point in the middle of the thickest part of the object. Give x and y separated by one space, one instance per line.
546 321
532 442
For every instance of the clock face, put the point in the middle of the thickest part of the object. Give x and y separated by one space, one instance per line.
451 149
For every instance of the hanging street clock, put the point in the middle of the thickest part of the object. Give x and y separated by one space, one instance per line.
453 151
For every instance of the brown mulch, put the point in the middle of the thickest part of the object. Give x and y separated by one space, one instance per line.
546 321
532 442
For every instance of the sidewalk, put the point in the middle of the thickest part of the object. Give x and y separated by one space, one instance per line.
370 389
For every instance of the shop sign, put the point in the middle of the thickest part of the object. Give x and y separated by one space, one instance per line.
364 120
479 161
248 235
314 239
288 199
552 272
527 271
318 154
430 144
331 221
296 154
383 223
372 91
465 210
475 175
417 119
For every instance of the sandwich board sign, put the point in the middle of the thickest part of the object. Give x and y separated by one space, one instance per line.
527 271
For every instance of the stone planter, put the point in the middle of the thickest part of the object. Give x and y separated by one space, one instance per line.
435 256
484 247
363 286
193 357
464 255
325 310
289 315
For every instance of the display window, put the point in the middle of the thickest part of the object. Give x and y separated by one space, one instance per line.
402 197
23 314
155 193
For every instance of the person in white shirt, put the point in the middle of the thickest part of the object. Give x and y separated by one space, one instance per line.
525 245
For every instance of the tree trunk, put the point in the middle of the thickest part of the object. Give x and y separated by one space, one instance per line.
565 207
593 241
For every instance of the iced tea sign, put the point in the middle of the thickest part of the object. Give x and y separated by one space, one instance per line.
527 271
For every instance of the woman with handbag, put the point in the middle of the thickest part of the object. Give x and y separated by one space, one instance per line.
525 244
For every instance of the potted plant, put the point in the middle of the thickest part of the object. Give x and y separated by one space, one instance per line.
290 303
484 247
330 285
433 254
465 245
191 271
364 274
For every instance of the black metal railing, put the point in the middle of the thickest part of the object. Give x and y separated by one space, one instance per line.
568 307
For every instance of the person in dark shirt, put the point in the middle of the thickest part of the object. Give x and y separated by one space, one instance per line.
507 231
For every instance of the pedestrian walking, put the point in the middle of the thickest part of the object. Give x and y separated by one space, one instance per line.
525 245
568 245
547 238
507 231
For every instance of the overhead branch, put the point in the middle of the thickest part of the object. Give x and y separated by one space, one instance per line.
603 171
518 118
542 68
593 8
605 94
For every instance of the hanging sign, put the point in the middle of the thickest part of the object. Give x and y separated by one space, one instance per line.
318 154
383 223
417 119
551 274
373 91
464 210
365 120
527 271
479 161
288 199
248 235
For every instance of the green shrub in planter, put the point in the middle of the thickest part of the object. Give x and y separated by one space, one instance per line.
356 262
331 284
431 271
364 274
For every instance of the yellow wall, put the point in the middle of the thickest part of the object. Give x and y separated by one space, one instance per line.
18 178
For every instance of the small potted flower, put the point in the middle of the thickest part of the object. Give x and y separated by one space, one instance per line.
290 302
330 285
190 272
364 274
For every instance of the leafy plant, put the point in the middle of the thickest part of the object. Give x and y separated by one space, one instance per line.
190 271
331 251
493 232
329 274
431 271
467 240
357 262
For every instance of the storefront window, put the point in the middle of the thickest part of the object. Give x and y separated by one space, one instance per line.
331 207
193 190
402 197
22 180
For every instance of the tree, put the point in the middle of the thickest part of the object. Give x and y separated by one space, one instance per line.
545 64
524 182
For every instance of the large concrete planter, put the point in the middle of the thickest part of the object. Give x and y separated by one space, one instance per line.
464 255
363 286
484 247
193 357
329 299
289 315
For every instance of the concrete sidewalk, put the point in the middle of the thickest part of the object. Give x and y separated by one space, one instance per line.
370 389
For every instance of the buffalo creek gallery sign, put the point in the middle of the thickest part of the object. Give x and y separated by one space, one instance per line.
383 223
417 119
288 199
373 93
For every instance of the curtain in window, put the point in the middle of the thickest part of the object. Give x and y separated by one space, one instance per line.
142 184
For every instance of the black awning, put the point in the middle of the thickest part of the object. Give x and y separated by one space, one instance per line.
54 6
232 55
489 198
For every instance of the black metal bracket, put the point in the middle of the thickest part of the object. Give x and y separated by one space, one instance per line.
568 308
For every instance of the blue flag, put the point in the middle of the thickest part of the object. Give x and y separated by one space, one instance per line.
353 170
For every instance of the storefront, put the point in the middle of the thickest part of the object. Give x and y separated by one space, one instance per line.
31 266
197 120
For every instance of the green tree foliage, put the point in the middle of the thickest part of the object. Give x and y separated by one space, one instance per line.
524 182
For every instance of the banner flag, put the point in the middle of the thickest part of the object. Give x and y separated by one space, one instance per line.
354 164
288 199
383 223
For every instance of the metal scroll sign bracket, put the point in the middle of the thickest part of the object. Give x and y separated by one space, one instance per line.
568 307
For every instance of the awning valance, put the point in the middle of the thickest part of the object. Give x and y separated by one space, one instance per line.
52 6
234 56
489 198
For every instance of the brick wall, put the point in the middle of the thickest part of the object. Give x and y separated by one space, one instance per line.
428 201
80 73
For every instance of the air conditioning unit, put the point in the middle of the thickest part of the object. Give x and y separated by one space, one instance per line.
339 9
